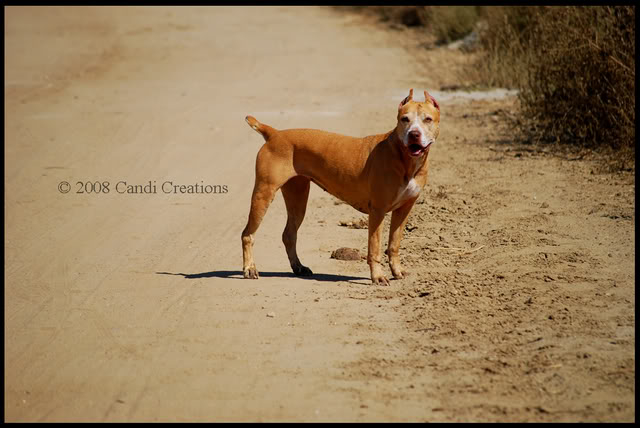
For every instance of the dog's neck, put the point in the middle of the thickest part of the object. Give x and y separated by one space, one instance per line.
411 165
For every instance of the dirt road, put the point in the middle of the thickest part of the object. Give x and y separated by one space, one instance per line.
123 306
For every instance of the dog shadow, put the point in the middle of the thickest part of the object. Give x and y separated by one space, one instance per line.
237 274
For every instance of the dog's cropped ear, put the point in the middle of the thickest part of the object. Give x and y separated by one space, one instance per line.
407 99
428 98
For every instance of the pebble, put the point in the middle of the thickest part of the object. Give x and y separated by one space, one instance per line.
346 254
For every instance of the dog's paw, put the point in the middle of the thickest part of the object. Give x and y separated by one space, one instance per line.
302 271
251 273
380 280
399 273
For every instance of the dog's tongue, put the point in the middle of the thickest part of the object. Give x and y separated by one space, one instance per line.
415 149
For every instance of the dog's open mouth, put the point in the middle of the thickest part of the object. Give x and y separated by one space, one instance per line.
416 149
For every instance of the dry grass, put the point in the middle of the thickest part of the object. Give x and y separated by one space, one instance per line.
450 23
447 23
575 68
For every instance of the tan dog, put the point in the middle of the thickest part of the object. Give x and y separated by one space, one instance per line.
374 174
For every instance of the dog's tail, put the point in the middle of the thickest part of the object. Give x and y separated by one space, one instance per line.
265 130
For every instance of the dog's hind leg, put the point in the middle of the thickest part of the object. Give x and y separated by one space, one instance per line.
295 193
268 181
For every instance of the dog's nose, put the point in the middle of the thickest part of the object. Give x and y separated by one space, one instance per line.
414 134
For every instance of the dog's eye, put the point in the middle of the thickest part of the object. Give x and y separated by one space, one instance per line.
428 119
404 119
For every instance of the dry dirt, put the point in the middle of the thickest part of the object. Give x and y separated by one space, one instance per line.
130 307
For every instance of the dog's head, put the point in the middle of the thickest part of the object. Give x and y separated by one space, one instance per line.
418 123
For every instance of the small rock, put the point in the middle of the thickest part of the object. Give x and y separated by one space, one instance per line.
271 314
361 223
346 254
455 45
544 205
470 42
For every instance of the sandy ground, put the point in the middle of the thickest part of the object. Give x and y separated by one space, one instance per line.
130 307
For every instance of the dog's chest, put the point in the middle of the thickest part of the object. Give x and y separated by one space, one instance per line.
410 191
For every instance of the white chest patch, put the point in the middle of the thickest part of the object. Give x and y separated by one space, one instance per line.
409 192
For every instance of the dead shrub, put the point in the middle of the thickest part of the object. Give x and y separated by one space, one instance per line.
575 67
449 23
410 16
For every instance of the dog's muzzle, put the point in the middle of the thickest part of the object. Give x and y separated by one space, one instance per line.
416 144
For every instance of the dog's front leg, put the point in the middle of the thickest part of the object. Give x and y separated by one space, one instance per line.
399 219
373 257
